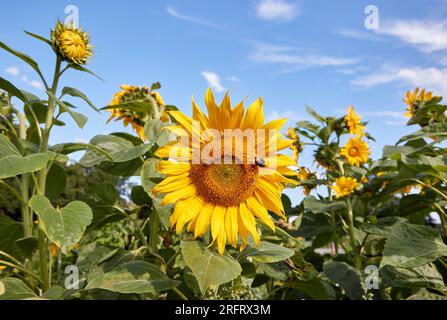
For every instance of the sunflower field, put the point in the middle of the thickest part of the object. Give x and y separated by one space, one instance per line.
208 218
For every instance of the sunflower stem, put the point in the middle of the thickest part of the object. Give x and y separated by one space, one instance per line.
350 216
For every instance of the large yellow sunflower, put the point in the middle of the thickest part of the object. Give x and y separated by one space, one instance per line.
353 123
136 119
355 151
226 195
345 186
413 100
71 44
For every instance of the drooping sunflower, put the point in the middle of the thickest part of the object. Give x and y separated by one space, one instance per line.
355 151
305 174
415 99
228 194
71 44
353 122
344 186
136 119
296 146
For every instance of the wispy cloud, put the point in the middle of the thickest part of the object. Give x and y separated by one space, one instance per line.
16 72
213 80
433 78
172 11
427 36
291 56
233 79
276 10
357 34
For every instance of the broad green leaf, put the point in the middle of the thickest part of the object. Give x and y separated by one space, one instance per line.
56 181
39 38
117 148
54 293
424 294
140 106
150 175
33 64
14 165
133 277
314 114
140 197
107 193
7 148
316 288
154 133
76 93
267 252
423 276
15 289
438 129
79 118
347 277
320 206
10 232
209 268
12 90
64 226
411 245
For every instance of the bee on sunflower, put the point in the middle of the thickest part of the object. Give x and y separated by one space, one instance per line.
137 119
71 44
345 186
224 196
415 100
355 151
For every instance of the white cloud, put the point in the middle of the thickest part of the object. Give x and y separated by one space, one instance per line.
428 36
16 72
276 10
362 35
176 14
233 79
287 55
433 79
213 80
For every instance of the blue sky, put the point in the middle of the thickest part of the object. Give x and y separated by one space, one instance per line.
290 52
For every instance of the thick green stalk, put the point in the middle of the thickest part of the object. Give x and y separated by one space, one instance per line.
43 245
357 260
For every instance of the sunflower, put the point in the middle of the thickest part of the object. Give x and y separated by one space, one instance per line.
228 194
305 174
353 123
71 44
345 186
136 119
355 151
296 146
415 99
2 268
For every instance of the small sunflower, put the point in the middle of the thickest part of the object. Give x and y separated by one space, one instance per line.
353 123
305 174
344 186
224 197
415 100
355 151
296 146
136 119
71 44
2 268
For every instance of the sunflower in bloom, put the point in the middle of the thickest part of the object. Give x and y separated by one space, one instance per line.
344 186
71 44
414 100
305 174
296 146
136 119
353 123
228 194
355 151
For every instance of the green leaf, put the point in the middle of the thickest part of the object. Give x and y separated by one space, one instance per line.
154 133
411 245
15 289
150 175
133 277
65 226
107 193
347 277
140 197
83 69
438 129
155 86
12 90
267 252
7 148
141 106
116 148
314 114
56 181
14 165
39 38
54 293
209 268
315 288
76 93
10 232
33 64
422 276
79 118
320 206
